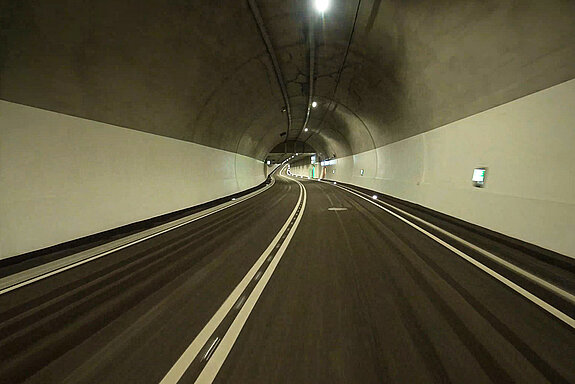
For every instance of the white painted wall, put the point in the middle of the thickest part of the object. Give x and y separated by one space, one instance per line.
528 146
63 177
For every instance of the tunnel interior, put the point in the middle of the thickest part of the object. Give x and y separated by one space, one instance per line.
241 81
287 191
382 70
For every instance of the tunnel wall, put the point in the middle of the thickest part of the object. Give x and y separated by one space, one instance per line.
528 146
302 168
64 177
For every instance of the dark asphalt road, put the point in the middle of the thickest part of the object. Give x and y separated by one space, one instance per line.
358 297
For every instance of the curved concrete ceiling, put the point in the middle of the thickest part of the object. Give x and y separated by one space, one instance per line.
200 70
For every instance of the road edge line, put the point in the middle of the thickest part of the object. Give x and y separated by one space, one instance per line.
522 291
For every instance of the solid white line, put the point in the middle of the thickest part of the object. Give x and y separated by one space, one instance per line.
213 366
180 367
537 280
544 305
51 272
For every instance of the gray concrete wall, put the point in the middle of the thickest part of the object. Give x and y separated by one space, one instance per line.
528 147
199 71
64 177
414 66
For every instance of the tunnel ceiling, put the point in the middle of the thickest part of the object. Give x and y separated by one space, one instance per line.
201 71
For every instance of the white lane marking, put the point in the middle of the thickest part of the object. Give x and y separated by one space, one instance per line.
336 209
14 282
528 295
211 349
213 366
180 367
544 283
241 302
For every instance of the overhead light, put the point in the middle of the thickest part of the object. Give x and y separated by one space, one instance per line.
305 129
297 154
321 5
314 104
374 197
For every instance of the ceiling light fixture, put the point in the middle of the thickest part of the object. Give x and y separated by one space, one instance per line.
305 129
321 5
314 104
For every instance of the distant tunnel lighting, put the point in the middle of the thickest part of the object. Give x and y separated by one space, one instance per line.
335 183
321 5
374 197
314 104
305 129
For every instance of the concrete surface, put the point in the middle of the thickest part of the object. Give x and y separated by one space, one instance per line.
64 177
527 146
199 71
384 71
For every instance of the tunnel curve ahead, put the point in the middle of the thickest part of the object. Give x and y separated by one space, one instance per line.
92 322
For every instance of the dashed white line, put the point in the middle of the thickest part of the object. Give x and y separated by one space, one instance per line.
211 349
240 302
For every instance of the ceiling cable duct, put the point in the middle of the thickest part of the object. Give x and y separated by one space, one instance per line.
341 67
268 43
311 44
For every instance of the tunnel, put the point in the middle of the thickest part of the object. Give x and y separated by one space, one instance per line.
265 191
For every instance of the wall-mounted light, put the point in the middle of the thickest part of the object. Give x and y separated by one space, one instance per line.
314 104
361 172
305 129
321 5
374 197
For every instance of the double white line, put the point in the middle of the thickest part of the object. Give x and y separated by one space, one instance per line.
219 349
